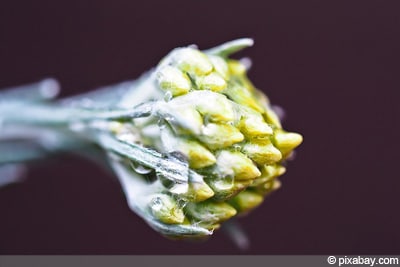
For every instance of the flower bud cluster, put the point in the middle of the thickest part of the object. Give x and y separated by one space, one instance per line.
226 131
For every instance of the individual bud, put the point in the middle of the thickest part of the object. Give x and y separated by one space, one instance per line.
286 141
166 209
271 117
220 66
224 189
194 191
216 136
241 95
262 98
200 191
246 201
236 67
197 155
173 80
210 212
183 118
236 164
268 187
192 61
268 173
213 82
262 152
272 171
277 184
252 124
216 107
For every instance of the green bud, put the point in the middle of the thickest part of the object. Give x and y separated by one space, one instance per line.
210 212
225 189
192 61
213 82
236 164
194 191
252 124
271 117
272 171
236 67
183 118
216 107
198 156
277 184
241 95
173 80
268 187
286 141
246 200
268 173
166 209
217 136
262 152
200 191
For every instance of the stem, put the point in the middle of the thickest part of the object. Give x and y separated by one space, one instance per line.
54 115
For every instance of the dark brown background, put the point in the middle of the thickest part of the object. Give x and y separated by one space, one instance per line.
333 66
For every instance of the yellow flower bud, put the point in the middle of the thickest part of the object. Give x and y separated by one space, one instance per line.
192 61
246 200
268 173
241 95
286 141
200 191
213 82
236 68
234 163
173 80
217 136
166 209
215 107
197 155
252 124
210 212
225 189
262 152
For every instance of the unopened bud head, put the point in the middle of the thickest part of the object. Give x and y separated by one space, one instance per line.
166 209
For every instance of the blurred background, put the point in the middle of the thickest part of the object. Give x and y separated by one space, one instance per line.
333 66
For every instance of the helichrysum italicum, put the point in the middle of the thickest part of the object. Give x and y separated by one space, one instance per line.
193 142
